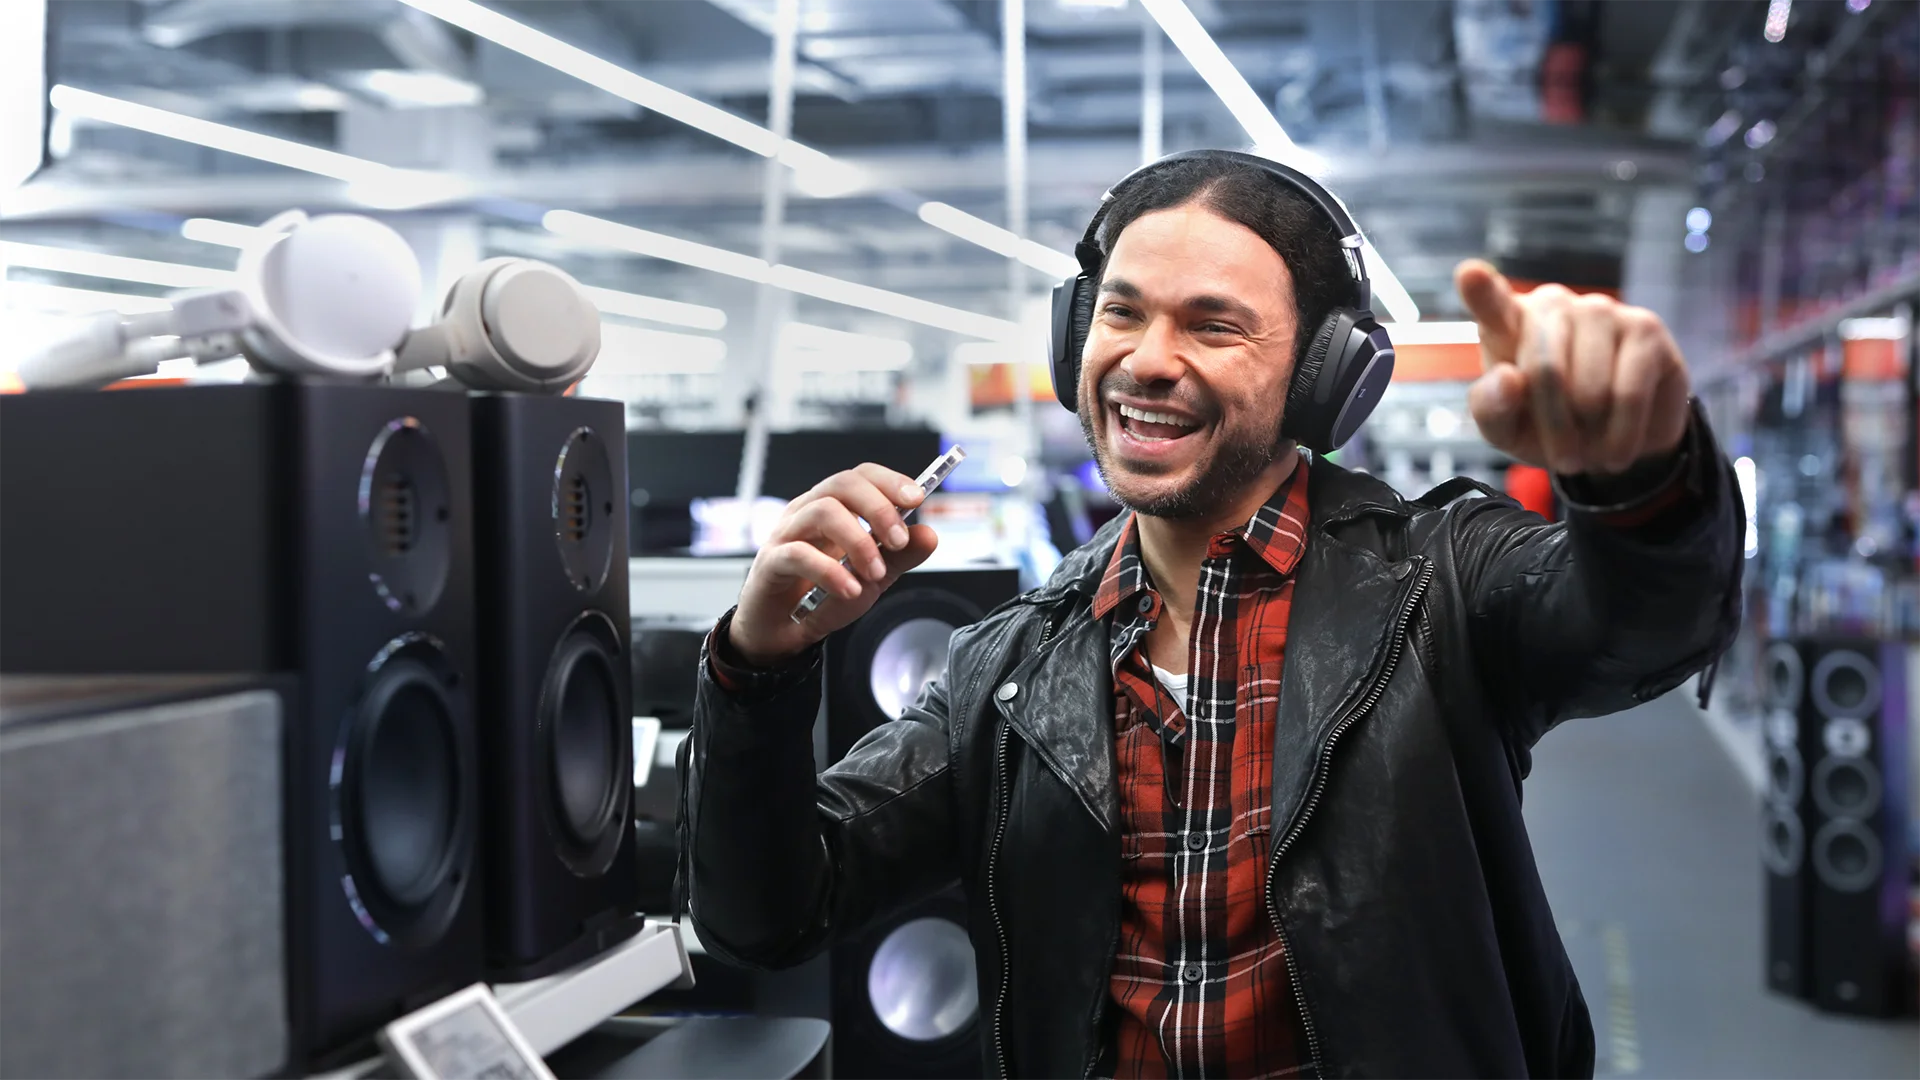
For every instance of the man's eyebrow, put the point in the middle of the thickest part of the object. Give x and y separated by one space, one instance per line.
1207 302
1121 287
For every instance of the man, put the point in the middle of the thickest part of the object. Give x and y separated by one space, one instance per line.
1238 791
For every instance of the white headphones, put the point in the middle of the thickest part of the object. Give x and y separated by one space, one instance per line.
510 324
334 296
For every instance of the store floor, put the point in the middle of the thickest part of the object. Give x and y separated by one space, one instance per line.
1645 834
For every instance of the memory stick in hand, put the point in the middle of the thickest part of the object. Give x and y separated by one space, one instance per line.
929 479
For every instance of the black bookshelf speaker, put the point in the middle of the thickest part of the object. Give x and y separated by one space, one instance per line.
1858 711
905 995
1783 821
324 531
550 481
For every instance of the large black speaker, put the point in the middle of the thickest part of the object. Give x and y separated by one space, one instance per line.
320 530
905 994
1834 838
1783 817
550 487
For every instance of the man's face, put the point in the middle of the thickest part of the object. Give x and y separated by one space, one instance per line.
1193 325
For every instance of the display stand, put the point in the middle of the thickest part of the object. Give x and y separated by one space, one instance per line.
554 1011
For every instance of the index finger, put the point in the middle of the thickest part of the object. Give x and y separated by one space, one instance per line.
1490 300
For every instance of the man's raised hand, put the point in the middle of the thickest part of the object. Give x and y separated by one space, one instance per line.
1572 383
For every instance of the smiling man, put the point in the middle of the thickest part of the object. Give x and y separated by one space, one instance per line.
1237 793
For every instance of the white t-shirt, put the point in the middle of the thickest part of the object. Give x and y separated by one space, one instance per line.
1176 685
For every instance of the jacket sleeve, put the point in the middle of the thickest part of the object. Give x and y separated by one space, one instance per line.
1591 616
780 863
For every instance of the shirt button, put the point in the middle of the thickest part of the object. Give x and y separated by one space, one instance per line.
1146 604
1192 973
1196 841
1007 691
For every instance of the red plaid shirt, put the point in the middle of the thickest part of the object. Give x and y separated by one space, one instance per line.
1200 983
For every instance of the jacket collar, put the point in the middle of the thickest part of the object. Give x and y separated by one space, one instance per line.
1344 600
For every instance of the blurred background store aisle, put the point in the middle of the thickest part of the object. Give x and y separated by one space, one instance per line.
1645 832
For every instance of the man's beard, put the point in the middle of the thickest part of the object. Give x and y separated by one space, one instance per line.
1238 457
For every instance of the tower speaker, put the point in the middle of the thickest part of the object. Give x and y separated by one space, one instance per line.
1858 710
905 993
1783 817
319 530
550 481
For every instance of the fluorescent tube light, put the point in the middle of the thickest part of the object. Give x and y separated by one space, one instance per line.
998 240
806 347
655 245
214 231
66 300
1269 138
116 267
1433 333
634 350
1880 328
577 226
368 182
656 309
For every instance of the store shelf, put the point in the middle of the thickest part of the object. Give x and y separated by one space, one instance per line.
555 1011
1802 334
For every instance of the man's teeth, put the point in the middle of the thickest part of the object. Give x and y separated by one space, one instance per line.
1144 416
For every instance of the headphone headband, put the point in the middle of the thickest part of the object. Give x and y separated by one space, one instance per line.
1087 251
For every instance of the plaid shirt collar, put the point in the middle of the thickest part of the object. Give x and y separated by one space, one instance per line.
1277 533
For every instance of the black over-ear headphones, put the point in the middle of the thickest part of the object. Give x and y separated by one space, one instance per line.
1339 378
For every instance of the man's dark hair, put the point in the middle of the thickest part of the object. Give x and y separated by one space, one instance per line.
1242 193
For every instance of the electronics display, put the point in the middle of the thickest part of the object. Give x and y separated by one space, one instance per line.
550 543
464 1035
322 532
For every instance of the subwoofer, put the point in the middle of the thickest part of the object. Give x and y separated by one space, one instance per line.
550 481
322 531
1859 709
905 992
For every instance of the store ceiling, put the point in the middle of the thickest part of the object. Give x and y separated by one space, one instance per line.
1426 111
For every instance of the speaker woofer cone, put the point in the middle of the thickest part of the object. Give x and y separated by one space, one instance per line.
1846 787
1846 855
922 982
586 742
1783 840
403 807
1786 775
1785 676
1845 685
901 645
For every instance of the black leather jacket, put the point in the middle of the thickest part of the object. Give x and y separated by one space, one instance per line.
1430 646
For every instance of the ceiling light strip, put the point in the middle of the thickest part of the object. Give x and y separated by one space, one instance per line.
1269 138
655 245
112 267
233 140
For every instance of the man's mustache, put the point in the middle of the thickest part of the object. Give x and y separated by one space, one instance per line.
1119 382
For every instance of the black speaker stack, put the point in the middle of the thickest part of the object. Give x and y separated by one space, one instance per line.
904 998
441 579
1835 822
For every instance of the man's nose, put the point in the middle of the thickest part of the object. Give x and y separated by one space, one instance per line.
1156 356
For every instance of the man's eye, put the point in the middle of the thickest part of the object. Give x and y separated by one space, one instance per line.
1119 311
1214 328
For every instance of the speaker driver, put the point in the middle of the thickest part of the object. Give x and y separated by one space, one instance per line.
1786 775
1846 787
1846 685
404 509
585 740
1847 856
902 645
1782 840
404 818
583 508
922 981
1785 676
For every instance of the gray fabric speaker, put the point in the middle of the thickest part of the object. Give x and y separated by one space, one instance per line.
140 878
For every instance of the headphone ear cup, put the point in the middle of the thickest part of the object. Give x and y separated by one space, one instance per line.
1304 423
1072 317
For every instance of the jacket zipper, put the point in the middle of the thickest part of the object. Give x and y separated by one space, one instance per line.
993 893
1402 623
